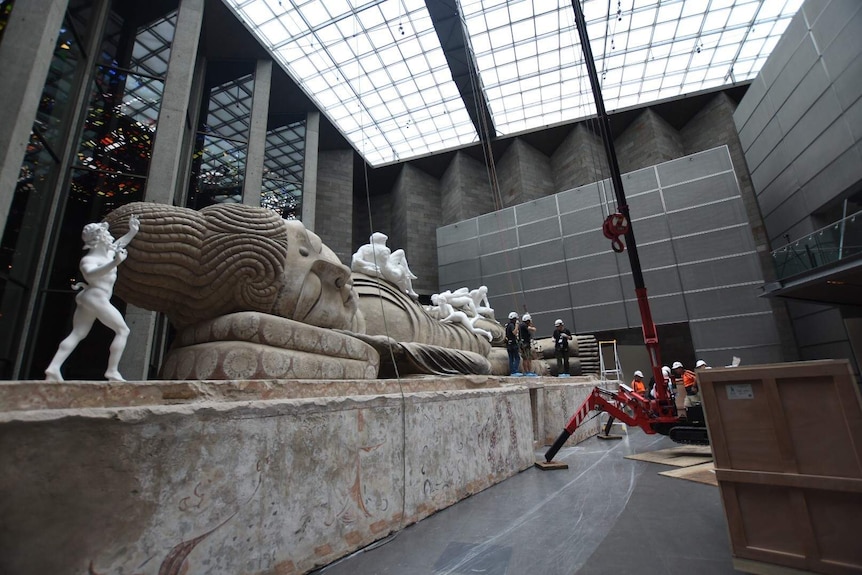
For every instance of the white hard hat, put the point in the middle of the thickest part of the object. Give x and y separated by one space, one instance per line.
513 315
700 363
676 365
639 373
526 317
665 370
558 322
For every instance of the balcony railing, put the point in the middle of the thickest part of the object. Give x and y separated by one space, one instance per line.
837 241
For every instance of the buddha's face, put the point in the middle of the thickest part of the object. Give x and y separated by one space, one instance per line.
318 289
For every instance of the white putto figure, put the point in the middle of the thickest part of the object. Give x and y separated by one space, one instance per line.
448 314
370 258
99 268
377 260
461 300
481 303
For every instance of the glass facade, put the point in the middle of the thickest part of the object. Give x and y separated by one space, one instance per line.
24 234
116 120
90 151
221 145
283 167
5 11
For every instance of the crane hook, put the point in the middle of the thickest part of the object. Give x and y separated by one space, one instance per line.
615 226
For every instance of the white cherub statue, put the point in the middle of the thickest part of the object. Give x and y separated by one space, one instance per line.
481 303
377 260
397 271
99 268
372 257
448 314
461 300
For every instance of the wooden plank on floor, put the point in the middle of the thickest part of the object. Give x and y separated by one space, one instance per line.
551 465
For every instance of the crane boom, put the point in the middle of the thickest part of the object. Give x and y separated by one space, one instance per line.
657 415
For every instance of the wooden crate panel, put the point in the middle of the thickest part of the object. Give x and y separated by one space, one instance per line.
787 446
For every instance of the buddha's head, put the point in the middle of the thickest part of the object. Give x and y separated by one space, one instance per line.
198 265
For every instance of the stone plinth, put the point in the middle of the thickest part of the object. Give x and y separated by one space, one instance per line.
265 476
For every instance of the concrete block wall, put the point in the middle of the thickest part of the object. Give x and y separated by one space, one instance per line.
649 140
465 190
820 331
380 219
511 252
524 174
416 213
334 210
578 159
698 256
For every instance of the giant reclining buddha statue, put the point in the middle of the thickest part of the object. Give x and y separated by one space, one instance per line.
255 296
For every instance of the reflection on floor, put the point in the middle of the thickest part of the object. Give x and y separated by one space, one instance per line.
606 514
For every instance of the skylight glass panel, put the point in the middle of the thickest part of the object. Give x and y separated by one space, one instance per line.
326 45
669 11
742 13
642 17
376 67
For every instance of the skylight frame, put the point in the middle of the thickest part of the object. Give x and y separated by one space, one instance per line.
334 49
377 70
675 43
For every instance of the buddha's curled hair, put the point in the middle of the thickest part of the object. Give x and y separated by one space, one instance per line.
197 265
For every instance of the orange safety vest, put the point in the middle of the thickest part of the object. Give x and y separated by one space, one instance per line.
639 386
689 378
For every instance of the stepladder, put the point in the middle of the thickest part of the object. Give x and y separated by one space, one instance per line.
609 367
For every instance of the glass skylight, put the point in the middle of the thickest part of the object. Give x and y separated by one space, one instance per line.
377 70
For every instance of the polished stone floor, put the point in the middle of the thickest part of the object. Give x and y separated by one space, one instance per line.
603 515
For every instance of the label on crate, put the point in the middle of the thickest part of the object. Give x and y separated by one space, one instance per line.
740 391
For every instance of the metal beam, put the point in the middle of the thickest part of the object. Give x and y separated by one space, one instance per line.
459 55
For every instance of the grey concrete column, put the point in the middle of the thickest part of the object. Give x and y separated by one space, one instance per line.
253 183
181 194
26 53
173 114
165 166
309 182
136 358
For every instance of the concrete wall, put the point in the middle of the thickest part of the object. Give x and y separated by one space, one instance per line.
380 219
578 159
649 140
334 202
415 214
800 128
465 190
713 126
699 259
524 173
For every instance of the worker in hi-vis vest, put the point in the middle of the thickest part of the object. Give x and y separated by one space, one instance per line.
689 380
638 384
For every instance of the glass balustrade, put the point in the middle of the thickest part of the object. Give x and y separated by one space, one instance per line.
838 241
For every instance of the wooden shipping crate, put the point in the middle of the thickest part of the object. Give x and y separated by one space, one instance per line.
787 446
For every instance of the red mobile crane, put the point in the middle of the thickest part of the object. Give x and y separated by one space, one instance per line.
657 415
